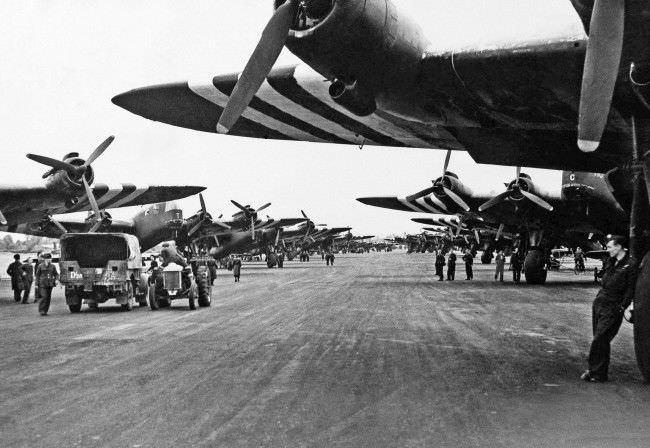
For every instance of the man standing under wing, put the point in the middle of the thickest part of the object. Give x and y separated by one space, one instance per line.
614 297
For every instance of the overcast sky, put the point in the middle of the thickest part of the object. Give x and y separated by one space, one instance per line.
62 61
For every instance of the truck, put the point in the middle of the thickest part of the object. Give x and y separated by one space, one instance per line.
97 267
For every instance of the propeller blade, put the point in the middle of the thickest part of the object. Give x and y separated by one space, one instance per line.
259 65
457 199
53 163
267 205
460 226
499 232
241 207
221 224
477 236
95 227
277 237
196 228
537 201
604 49
99 150
518 172
3 220
304 214
91 197
253 227
446 165
494 201
420 194
203 208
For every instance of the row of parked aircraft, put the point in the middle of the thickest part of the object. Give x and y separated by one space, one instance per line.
69 187
373 75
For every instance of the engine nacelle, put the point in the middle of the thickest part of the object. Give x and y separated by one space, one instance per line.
368 44
71 187
451 182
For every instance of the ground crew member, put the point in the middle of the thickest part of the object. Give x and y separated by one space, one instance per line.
451 266
614 297
516 265
440 265
28 278
46 277
236 269
170 255
15 271
501 264
468 258
329 258
280 259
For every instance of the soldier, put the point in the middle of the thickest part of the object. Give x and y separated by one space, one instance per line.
451 266
468 258
280 259
28 278
440 265
614 297
46 277
329 258
16 273
501 263
236 268
170 255
516 265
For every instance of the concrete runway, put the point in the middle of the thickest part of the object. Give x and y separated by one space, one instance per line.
370 353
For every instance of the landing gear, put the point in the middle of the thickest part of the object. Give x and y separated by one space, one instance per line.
535 266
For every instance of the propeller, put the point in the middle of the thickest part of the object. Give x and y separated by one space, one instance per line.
252 215
99 217
73 171
441 189
205 218
516 192
260 64
3 220
602 61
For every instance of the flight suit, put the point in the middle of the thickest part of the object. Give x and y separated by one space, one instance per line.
46 276
16 273
451 267
501 263
615 295
28 279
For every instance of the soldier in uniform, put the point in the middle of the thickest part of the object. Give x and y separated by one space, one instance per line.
516 266
15 271
614 297
236 268
28 278
501 264
440 265
46 277
468 258
451 266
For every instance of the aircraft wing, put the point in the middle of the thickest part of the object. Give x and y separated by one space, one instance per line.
426 204
32 204
51 230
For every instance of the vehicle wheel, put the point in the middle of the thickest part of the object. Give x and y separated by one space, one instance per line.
128 306
142 300
153 302
534 267
642 318
75 307
191 301
204 291
164 303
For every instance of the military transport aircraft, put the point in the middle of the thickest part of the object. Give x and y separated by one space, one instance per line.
69 188
567 103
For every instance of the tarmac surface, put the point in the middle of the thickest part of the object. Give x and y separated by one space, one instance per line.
372 352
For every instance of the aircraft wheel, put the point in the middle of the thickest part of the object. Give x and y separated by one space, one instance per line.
642 318
75 307
534 267
153 302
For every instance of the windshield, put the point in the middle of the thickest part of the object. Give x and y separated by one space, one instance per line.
93 251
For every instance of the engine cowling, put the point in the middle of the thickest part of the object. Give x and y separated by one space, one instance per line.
69 186
368 46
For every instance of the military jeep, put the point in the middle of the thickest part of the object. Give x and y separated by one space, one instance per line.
97 267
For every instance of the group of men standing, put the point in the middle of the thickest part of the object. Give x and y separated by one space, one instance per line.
450 262
24 273
516 264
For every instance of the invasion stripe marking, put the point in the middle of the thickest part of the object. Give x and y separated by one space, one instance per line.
127 190
436 135
305 78
435 202
289 87
422 203
215 96
139 191
411 206
226 86
271 96
99 191
112 192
